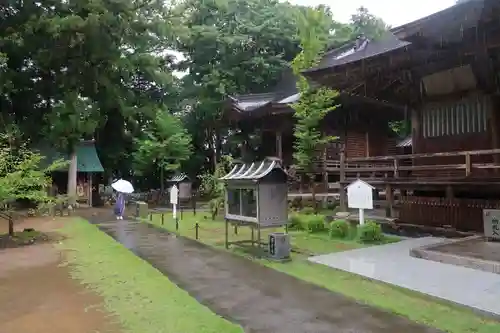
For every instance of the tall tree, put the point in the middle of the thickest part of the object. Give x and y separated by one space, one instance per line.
365 23
314 103
231 47
67 65
164 145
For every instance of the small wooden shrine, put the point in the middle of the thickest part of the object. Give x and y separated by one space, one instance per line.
256 196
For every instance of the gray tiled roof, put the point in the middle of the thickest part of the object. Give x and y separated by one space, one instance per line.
281 94
406 142
178 178
360 49
254 170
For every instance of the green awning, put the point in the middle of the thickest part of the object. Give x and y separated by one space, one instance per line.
86 156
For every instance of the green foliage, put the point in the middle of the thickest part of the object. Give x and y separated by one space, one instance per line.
314 103
307 211
365 23
213 188
21 176
313 223
295 220
370 232
166 144
339 229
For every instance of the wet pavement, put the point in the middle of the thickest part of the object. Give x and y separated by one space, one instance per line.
258 298
393 264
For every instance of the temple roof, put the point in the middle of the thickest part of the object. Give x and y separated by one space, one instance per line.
359 49
179 178
254 170
447 24
284 93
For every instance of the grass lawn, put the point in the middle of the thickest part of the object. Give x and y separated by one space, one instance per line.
417 307
142 298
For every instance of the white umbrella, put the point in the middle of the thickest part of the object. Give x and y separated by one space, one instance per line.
123 186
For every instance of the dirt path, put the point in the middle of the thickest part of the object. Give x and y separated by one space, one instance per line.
259 298
38 295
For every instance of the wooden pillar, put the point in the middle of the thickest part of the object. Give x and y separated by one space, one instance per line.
343 196
279 145
416 130
90 189
449 192
325 171
389 196
367 143
494 127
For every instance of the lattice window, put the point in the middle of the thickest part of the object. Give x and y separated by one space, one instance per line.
462 117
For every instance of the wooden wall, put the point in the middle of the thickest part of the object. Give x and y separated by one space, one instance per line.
478 140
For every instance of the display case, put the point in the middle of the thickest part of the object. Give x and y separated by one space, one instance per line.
257 193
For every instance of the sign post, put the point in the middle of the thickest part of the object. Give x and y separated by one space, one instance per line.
360 196
174 199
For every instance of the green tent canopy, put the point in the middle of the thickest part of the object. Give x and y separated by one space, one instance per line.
86 155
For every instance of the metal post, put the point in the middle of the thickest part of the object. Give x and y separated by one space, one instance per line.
180 207
162 218
150 216
196 227
176 224
235 229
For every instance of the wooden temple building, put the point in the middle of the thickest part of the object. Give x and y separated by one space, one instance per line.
358 132
445 73
440 75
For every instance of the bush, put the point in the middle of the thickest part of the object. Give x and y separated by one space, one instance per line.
307 211
314 223
370 232
339 229
296 222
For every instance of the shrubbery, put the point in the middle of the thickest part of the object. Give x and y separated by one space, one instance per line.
339 229
370 232
307 211
314 223
307 222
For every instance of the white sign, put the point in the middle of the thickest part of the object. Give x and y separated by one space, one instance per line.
174 195
360 195
491 220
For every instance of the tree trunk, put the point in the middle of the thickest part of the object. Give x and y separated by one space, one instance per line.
162 185
11 225
72 176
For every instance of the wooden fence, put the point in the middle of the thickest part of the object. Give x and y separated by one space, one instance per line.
461 214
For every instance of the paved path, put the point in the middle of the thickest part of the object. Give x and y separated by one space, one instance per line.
393 264
258 298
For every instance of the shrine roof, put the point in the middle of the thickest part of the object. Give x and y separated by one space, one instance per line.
178 178
254 170
359 49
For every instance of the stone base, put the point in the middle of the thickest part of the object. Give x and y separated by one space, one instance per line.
443 252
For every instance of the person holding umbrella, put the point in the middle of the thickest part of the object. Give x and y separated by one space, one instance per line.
122 187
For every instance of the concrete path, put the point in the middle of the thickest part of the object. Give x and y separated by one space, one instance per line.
393 264
261 299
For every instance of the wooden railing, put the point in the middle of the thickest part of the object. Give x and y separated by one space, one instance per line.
410 165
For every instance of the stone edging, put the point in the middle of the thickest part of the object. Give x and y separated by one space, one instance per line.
427 252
